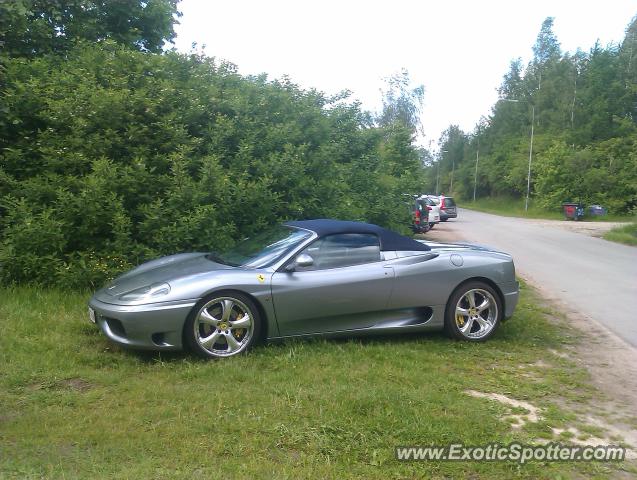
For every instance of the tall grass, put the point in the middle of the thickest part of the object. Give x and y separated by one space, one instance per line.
75 406
626 234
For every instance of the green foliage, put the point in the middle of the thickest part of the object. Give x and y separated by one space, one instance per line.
402 103
110 156
584 125
600 174
626 234
547 47
32 243
34 27
515 207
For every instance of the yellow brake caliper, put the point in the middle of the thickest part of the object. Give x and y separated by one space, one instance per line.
239 331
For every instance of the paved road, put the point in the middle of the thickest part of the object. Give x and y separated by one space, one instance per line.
593 277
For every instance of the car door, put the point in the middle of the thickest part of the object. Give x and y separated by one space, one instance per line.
346 281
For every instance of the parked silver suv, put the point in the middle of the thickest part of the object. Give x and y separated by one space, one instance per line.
447 206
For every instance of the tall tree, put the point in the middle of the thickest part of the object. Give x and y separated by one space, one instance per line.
402 103
584 147
29 28
511 86
546 54
628 65
546 47
629 49
452 145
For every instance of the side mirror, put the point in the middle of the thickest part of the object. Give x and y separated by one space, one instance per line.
303 260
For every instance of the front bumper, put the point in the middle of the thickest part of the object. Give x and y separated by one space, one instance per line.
510 294
155 326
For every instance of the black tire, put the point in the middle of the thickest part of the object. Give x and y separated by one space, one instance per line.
480 329
431 225
230 329
444 219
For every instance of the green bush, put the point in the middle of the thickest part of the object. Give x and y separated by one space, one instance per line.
109 157
32 244
603 174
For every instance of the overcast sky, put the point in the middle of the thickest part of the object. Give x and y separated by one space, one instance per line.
458 49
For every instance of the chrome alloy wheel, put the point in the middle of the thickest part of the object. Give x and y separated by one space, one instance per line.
476 313
224 326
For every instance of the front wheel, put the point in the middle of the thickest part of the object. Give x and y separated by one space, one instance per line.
223 325
473 312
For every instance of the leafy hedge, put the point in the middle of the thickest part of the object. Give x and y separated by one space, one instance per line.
110 156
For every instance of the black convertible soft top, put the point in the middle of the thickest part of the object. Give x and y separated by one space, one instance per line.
388 240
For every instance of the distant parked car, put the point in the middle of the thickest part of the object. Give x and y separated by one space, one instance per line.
447 207
420 215
434 210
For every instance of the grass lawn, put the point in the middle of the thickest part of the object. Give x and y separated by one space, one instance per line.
514 207
626 234
75 406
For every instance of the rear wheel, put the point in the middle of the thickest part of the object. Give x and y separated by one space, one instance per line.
223 325
473 312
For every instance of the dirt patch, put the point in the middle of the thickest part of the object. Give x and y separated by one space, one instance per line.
611 361
609 434
577 437
559 354
517 420
442 233
77 384
593 229
7 417
451 231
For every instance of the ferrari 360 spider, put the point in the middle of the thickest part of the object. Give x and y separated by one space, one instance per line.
307 278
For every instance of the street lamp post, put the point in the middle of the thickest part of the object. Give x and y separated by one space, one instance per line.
438 170
475 176
437 175
528 176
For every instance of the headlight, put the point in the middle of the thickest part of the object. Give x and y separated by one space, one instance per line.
150 291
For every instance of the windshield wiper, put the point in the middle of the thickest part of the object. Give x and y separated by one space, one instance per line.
215 257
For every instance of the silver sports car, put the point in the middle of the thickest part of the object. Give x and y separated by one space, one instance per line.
305 278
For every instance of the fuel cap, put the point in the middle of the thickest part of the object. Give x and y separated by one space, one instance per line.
456 260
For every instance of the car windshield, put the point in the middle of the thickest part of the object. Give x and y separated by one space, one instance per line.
263 249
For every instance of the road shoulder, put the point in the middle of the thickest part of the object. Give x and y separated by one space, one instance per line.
610 361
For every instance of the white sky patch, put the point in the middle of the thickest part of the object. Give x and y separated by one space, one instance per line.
458 49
